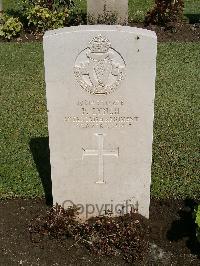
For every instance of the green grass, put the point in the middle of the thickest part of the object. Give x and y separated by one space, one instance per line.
137 8
24 116
175 171
11 4
15 4
176 143
192 7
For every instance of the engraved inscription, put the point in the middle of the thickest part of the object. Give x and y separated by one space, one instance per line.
100 153
101 114
99 69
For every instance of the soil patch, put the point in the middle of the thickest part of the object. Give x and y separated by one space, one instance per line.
183 33
172 237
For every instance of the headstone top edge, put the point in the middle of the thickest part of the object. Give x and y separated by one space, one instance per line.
108 28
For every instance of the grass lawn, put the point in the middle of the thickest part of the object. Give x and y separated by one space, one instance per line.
137 8
175 171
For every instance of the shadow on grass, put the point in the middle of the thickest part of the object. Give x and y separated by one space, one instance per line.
185 228
41 155
193 18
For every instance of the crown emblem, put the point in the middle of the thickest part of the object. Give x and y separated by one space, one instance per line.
99 44
99 69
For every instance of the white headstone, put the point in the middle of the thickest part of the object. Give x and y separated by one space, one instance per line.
107 11
100 83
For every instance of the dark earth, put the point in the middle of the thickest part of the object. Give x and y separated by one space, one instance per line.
184 32
172 237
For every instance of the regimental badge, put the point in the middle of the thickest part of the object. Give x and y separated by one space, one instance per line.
99 69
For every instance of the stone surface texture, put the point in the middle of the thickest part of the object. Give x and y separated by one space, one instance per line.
114 11
100 85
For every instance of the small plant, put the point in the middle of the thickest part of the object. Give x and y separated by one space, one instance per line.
42 18
166 13
139 16
197 221
58 223
124 235
77 17
44 15
52 5
10 27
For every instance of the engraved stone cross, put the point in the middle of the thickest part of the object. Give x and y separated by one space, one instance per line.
100 152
